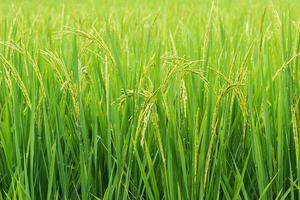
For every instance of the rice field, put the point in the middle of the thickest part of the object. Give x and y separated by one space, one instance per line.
162 99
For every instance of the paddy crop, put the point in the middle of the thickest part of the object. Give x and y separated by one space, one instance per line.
149 100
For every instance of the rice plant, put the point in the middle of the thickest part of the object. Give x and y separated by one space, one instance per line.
162 99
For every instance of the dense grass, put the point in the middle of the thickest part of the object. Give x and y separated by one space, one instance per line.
158 100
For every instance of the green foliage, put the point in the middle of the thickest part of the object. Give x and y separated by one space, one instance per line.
149 100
